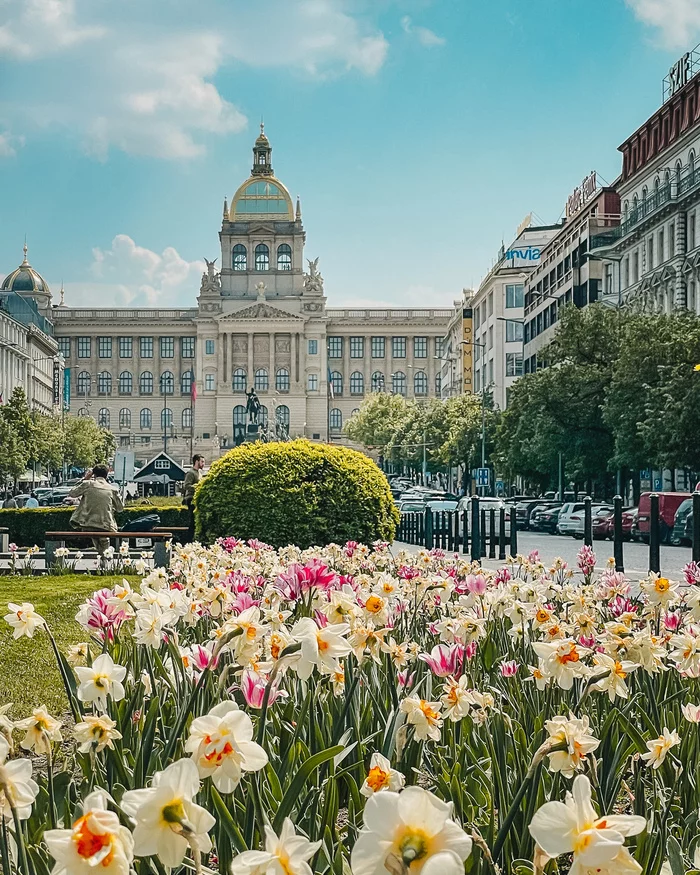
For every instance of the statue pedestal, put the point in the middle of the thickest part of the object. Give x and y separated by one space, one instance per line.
252 431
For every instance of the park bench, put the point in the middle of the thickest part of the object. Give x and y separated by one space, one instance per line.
177 531
161 553
4 540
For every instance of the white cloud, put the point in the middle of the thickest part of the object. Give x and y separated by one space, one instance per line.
677 20
424 35
9 144
127 275
141 77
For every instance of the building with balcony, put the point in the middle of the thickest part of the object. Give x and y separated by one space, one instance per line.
653 256
565 273
175 379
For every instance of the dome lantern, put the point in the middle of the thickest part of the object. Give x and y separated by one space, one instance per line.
262 155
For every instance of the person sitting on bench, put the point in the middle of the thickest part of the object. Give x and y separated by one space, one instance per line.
99 501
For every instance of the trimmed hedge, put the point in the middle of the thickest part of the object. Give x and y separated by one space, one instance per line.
28 526
295 492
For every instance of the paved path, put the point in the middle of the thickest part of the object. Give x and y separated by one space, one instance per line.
635 555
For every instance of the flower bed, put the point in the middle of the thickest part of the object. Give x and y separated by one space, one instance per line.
341 709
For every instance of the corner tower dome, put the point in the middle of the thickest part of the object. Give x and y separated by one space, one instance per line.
262 195
25 280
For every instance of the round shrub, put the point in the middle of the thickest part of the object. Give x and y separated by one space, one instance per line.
295 492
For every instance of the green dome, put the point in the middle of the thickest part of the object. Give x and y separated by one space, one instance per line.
25 280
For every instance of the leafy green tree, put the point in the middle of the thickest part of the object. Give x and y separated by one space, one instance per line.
14 454
375 423
86 443
47 441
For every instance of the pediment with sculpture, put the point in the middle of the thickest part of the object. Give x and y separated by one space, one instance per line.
261 310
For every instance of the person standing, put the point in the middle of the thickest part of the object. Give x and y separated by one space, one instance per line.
99 502
32 501
10 502
192 478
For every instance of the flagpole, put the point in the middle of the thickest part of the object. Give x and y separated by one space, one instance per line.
193 397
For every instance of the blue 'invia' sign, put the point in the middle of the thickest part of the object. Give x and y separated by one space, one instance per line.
530 253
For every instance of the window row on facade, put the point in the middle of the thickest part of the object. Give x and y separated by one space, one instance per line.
126 346
261 256
145 418
125 383
280 412
378 347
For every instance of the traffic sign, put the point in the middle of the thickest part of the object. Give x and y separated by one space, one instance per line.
482 476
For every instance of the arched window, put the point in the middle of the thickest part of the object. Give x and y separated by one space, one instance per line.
691 166
398 383
187 417
335 420
83 412
420 383
104 383
283 416
377 381
262 381
354 411
167 383
667 177
337 383
282 380
626 209
239 257
657 184
238 415
103 418
240 380
125 418
146 383
644 194
84 383
146 418
284 257
186 382
679 173
262 416
166 418
357 383
262 257
635 203
125 383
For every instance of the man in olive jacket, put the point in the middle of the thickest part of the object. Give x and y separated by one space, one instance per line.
99 502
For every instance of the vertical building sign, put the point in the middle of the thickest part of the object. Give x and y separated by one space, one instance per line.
467 351
56 382
66 388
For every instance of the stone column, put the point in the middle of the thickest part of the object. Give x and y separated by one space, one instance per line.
367 364
294 375
220 358
272 361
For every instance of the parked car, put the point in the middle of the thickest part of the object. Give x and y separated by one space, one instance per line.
547 520
442 504
603 524
606 525
688 531
56 497
678 535
411 506
487 503
536 522
669 502
578 522
565 524
523 509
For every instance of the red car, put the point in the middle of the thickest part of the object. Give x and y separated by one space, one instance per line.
605 528
669 503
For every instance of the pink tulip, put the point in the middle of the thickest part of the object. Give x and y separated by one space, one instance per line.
503 575
586 559
350 548
672 621
509 669
470 650
443 659
691 572
533 556
253 685
406 679
476 584
203 658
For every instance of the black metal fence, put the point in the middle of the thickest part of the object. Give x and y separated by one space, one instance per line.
475 531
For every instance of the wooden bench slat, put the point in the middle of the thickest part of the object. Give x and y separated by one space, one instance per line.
161 535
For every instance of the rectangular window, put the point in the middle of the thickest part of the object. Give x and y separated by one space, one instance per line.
313 347
84 347
490 303
420 347
162 465
357 347
671 240
608 279
104 347
477 318
126 347
514 295
312 382
627 272
146 347
187 347
662 254
635 267
144 440
490 345
491 372
398 347
514 364
650 257
167 347
335 347
378 347
439 346
209 347
691 231
209 382
64 346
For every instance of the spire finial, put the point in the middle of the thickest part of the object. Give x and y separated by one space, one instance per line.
262 125
298 213
62 302
25 250
225 209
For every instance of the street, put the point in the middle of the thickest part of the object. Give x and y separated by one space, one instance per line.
635 554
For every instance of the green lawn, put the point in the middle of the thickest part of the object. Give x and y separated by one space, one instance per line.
28 672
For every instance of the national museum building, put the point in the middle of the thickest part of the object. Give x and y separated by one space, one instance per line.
176 378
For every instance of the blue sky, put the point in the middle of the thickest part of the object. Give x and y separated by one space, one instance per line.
418 133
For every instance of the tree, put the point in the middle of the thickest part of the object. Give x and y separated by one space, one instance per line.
86 443
14 455
379 416
48 441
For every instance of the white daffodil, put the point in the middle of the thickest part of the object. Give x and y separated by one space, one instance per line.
319 646
411 831
691 712
597 843
96 733
77 654
100 680
41 729
659 747
686 652
424 716
561 660
614 682
17 787
24 619
381 776
96 839
457 698
659 590
168 821
286 854
222 746
574 733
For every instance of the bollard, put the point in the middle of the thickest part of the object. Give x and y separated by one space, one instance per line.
513 532
449 522
420 529
483 532
696 527
428 529
465 532
617 534
502 534
587 522
455 525
476 537
492 533
654 552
